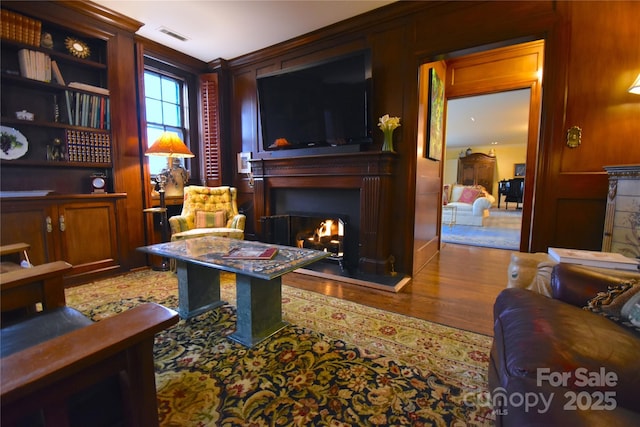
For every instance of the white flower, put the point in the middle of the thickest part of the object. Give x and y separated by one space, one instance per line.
387 123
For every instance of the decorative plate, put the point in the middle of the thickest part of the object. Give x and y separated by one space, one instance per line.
13 144
77 47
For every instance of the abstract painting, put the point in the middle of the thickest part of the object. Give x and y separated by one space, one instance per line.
436 115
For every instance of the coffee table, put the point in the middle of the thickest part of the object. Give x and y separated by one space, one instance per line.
258 282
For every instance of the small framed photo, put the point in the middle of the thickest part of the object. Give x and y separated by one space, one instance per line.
519 169
244 165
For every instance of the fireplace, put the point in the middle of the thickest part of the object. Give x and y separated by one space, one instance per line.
328 233
354 187
299 213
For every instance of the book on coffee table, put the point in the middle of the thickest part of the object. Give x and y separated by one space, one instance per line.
249 253
594 259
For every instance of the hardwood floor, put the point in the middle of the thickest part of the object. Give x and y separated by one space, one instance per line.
457 288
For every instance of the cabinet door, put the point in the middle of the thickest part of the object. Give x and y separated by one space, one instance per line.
31 223
467 174
484 175
88 235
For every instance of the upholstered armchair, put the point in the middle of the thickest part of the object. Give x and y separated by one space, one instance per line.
208 211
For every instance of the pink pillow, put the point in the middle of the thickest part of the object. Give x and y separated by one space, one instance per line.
469 195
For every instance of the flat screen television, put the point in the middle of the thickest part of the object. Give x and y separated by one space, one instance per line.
321 106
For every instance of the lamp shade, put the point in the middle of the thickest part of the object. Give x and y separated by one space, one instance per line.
635 87
169 145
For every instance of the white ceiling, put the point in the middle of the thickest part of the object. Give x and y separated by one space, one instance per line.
228 29
484 119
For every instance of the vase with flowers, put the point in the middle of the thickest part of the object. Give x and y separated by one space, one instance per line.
388 125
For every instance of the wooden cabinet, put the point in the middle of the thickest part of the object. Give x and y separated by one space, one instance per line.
477 169
79 229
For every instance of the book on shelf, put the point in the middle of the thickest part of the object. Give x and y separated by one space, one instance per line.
86 146
89 88
87 110
34 65
251 253
594 259
20 28
55 71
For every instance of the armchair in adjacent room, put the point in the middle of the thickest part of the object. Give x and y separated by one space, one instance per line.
208 211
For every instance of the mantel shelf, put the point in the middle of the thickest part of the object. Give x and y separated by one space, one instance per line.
366 163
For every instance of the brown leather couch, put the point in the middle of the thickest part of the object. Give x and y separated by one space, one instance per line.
550 357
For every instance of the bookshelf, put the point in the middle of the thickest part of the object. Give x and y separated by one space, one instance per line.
69 138
65 89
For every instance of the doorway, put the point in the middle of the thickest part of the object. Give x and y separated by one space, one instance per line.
505 69
495 125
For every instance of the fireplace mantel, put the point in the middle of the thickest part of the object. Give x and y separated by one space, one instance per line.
369 172
358 164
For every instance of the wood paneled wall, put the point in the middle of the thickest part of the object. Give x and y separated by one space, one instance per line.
591 58
596 58
580 61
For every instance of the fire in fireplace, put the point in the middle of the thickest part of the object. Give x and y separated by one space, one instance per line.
327 237
323 233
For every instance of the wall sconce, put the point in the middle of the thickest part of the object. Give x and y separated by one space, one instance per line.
635 87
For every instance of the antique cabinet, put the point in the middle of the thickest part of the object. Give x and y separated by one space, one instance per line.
477 169
79 229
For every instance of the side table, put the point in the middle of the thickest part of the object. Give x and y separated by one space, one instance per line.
164 265
453 211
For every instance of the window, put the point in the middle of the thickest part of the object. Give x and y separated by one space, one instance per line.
165 110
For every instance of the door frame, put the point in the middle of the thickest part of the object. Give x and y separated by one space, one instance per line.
517 66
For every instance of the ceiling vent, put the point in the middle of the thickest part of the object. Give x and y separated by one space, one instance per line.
173 34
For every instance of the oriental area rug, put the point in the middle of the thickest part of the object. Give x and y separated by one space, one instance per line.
338 363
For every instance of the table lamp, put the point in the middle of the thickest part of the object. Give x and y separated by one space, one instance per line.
171 146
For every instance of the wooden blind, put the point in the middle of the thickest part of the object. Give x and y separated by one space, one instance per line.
211 143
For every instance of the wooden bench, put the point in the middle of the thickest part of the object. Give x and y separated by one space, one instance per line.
42 379
26 287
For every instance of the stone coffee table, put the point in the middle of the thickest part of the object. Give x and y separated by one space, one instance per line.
199 262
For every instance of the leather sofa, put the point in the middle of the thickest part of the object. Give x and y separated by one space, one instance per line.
554 363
